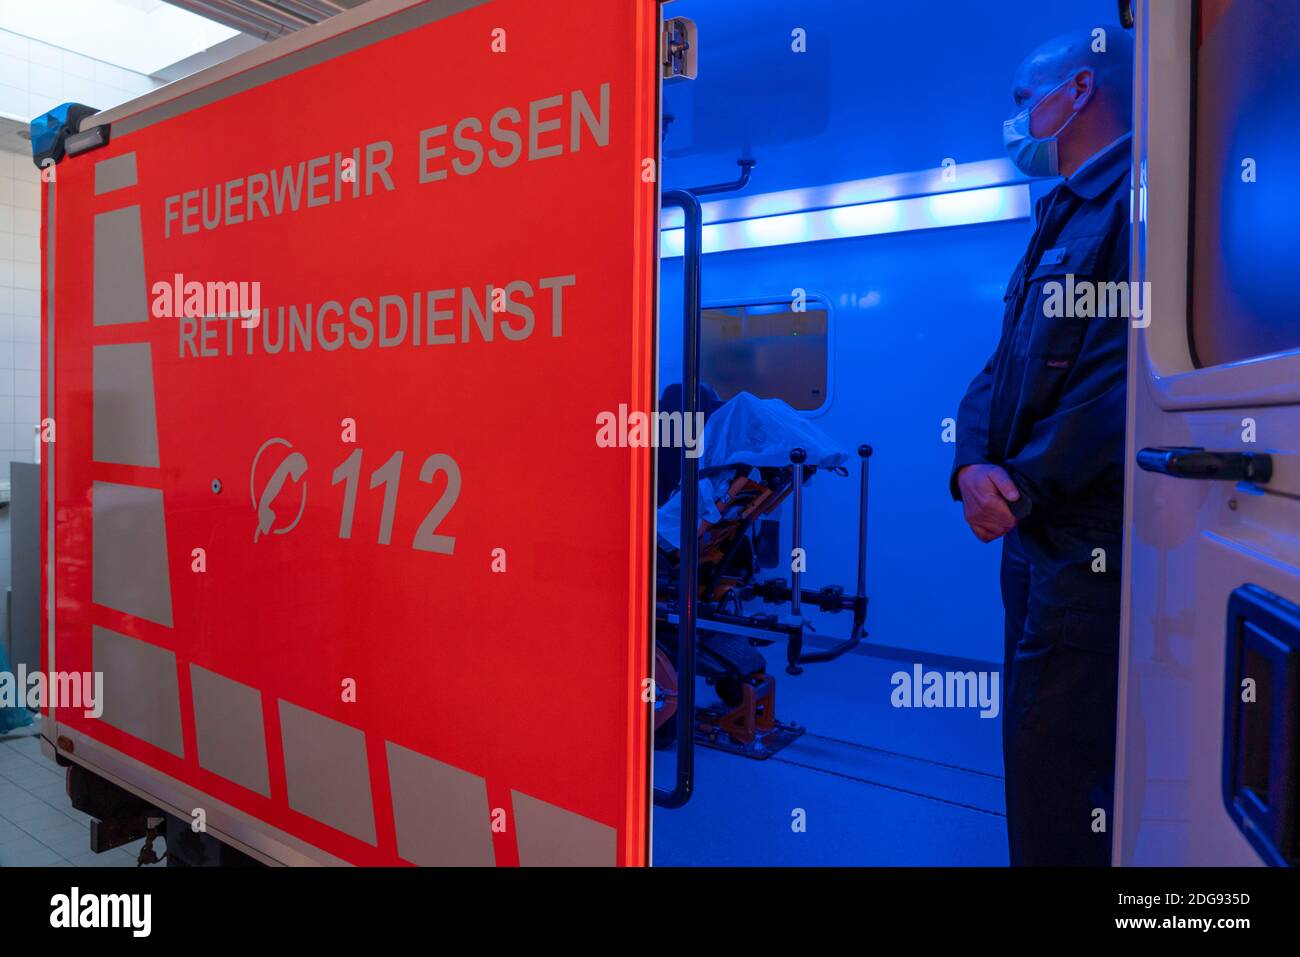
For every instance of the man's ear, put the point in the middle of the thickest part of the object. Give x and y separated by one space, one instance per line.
1083 87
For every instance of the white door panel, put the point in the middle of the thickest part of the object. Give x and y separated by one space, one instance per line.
1190 542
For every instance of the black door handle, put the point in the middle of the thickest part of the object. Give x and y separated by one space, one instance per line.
1196 463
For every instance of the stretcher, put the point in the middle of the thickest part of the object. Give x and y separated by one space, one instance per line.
750 467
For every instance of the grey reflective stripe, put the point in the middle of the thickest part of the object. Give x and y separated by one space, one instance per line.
242 829
326 772
140 694
228 729
550 836
440 812
116 173
267 63
119 295
129 552
126 426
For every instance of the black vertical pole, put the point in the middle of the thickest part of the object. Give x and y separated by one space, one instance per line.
689 544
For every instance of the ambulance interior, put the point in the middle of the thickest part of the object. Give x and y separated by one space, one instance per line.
860 222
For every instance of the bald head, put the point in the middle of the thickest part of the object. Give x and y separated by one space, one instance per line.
1079 87
1108 55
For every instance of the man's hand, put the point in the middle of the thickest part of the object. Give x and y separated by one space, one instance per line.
985 491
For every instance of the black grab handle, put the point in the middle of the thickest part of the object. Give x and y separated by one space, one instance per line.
689 526
1198 463
1126 18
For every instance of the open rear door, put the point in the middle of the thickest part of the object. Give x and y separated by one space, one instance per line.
1209 743
360 582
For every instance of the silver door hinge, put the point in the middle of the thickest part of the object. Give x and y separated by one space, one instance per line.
679 49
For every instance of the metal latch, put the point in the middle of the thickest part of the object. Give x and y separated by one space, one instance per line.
679 47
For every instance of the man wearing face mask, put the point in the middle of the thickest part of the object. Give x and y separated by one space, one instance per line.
1040 444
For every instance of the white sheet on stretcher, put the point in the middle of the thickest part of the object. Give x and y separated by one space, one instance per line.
747 430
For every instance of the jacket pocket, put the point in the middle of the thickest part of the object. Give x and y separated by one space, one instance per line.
1051 327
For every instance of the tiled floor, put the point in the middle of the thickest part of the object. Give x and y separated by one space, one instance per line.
38 826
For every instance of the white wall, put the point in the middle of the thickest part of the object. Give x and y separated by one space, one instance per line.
20 281
35 77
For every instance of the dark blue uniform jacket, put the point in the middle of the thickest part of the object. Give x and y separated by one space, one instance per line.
1049 405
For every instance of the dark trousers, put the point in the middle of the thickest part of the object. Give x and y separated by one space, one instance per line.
1059 690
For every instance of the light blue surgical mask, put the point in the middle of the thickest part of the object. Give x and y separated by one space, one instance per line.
1032 155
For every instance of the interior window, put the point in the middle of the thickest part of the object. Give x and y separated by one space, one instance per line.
769 350
1245 258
